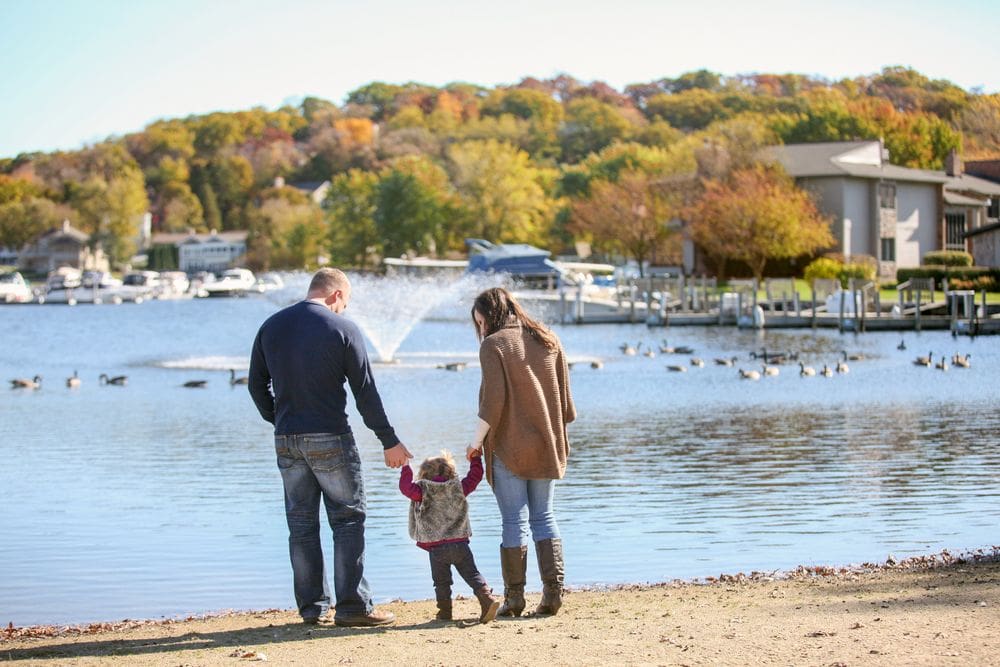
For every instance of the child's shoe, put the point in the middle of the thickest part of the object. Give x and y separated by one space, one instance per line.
488 605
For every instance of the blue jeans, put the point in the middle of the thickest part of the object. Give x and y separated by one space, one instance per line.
524 504
315 465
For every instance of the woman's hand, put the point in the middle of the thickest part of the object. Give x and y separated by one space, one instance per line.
474 450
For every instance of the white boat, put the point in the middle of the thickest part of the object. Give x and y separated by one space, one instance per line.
14 288
232 282
173 285
138 286
269 282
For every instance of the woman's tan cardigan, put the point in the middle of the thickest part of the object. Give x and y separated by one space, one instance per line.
524 397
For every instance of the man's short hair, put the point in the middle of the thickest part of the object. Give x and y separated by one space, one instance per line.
326 281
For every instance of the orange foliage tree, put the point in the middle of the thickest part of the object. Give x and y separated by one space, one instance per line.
631 216
754 215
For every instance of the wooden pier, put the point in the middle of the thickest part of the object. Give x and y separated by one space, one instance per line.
679 301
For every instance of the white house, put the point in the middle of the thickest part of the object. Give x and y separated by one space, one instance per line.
894 214
61 246
215 251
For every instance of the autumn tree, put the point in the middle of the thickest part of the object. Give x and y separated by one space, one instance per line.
755 215
22 220
632 216
287 231
590 126
507 197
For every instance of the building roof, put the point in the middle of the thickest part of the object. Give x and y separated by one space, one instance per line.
233 236
969 183
65 229
860 159
956 199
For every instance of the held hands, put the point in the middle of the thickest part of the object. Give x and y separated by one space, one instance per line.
396 457
475 450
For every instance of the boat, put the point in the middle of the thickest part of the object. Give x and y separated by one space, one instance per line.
521 261
269 282
138 286
232 282
173 285
14 288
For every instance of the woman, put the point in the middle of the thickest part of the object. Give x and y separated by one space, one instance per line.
524 406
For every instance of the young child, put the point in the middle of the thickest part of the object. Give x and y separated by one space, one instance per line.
439 522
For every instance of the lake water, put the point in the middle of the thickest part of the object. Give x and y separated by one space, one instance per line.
155 500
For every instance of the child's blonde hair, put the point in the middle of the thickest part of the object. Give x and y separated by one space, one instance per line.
438 466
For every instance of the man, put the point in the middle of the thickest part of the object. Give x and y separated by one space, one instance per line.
306 352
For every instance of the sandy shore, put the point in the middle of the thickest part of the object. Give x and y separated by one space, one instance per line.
936 610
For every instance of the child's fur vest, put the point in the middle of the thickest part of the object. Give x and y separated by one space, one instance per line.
443 514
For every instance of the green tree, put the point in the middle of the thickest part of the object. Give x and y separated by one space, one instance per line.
590 126
415 210
23 220
507 197
287 231
350 213
180 209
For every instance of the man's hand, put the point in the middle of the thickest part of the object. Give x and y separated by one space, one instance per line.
396 457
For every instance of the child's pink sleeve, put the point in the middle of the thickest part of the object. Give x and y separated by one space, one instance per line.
474 477
406 485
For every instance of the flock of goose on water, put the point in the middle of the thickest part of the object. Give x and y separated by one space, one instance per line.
771 361
74 381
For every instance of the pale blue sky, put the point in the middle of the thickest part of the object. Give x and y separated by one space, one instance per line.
76 71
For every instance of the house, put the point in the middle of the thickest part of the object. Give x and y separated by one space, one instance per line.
215 251
315 190
61 246
894 214
985 239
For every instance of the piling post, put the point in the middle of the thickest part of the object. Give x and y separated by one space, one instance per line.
840 314
916 314
813 317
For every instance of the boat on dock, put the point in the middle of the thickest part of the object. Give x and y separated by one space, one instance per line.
14 288
232 283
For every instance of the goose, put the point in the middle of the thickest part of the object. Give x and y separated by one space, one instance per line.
237 380
731 361
649 353
806 371
902 345
826 372
25 383
963 362
194 384
842 367
695 361
597 364
942 365
118 380
683 349
73 382
857 356
665 348
770 370
628 350
924 361
677 369
453 366
749 375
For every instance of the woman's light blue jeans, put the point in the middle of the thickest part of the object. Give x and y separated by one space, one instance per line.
524 504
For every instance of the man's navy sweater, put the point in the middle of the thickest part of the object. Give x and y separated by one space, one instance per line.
301 358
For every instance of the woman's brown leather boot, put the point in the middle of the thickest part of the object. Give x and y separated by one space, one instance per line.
551 571
513 566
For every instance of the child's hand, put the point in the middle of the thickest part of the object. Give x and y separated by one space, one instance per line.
473 451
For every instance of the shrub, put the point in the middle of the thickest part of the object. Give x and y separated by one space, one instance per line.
822 267
947 258
980 277
863 268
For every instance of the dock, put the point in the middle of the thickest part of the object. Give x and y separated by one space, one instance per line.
773 304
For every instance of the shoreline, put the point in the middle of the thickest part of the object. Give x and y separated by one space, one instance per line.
937 609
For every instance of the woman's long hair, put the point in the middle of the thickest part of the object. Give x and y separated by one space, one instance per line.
498 308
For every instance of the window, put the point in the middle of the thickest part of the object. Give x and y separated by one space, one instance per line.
993 208
954 231
887 195
888 250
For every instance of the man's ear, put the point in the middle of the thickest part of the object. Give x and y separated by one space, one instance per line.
331 298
